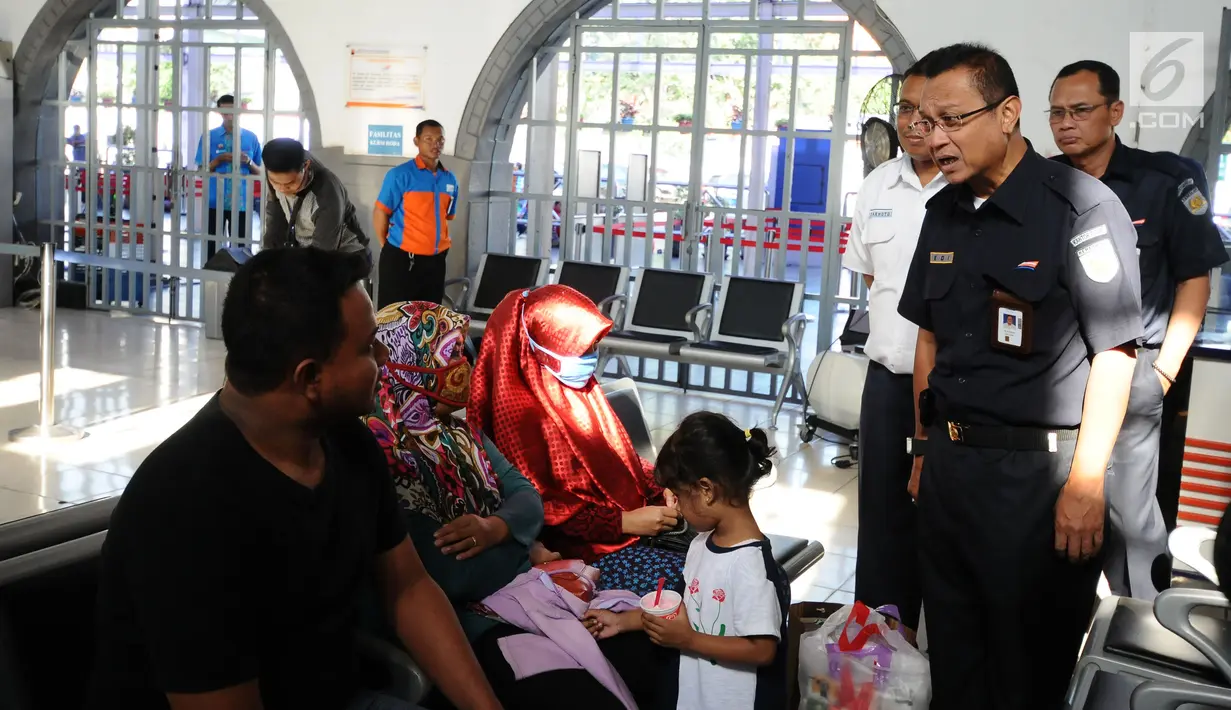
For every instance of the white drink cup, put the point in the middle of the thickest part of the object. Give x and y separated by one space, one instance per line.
668 606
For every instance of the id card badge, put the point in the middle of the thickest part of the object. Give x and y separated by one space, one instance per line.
1012 323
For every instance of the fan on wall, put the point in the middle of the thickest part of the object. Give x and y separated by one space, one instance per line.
878 137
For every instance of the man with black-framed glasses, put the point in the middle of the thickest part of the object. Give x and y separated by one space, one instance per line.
1177 247
1025 290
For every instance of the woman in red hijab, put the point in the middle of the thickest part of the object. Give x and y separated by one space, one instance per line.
535 394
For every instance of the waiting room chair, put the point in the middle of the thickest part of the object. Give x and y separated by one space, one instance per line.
498 275
758 327
661 310
602 283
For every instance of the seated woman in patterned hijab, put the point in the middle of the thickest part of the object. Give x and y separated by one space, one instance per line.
535 393
472 517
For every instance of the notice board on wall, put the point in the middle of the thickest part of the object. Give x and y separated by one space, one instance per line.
385 78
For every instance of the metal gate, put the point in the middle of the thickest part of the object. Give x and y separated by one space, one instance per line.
137 103
686 130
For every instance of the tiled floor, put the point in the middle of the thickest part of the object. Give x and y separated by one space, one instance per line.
130 382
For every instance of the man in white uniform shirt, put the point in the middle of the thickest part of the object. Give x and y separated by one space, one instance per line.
888 215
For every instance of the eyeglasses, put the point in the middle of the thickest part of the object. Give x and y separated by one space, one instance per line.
1079 113
950 122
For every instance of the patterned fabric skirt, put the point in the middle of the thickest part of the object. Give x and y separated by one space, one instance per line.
638 567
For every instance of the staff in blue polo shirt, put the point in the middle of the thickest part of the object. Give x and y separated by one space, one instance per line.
416 203
222 159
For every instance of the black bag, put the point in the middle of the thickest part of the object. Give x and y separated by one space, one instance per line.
677 540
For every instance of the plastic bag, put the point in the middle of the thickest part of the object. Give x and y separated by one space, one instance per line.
859 660
574 576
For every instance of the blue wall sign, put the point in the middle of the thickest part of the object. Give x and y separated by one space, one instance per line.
384 140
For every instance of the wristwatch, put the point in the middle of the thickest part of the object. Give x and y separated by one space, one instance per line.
916 446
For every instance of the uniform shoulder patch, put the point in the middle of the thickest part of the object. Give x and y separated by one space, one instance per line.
1099 261
1195 202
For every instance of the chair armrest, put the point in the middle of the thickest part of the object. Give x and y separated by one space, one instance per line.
700 334
609 303
1184 544
1173 608
1159 695
459 303
407 681
793 328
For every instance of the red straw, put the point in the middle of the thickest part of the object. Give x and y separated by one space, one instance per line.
662 581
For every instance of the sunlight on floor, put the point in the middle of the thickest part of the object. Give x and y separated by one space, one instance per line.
125 435
24 389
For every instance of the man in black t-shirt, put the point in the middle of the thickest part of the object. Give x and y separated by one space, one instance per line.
237 554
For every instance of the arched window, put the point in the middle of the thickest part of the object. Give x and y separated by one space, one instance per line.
690 134
133 99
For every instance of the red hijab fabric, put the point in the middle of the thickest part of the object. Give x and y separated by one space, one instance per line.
567 441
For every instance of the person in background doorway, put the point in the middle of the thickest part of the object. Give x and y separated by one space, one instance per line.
77 142
311 206
239 552
1019 421
225 156
885 229
411 219
1177 247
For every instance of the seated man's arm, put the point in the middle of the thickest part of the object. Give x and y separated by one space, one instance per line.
428 627
425 620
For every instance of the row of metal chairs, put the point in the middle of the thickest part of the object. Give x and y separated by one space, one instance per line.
756 325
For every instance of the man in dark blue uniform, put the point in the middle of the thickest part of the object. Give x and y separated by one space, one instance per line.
1025 289
1177 246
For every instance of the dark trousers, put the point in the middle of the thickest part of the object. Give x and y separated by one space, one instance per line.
887 569
1005 613
1138 534
407 277
633 656
231 229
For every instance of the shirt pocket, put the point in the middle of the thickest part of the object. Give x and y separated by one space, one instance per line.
1030 284
879 231
938 279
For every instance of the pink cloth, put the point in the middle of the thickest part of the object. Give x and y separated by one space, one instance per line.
556 638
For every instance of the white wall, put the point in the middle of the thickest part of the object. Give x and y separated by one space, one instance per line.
1041 36
1037 37
459 35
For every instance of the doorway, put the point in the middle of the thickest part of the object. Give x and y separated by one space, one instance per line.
138 104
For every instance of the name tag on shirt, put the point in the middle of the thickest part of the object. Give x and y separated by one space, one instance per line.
877 214
942 257
1012 323
449 189
1009 331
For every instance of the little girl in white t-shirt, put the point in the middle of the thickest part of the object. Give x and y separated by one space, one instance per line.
731 630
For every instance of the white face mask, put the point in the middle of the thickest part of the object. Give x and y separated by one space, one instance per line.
575 371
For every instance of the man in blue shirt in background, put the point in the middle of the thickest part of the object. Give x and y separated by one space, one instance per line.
222 159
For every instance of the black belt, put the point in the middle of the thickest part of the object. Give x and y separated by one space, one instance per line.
1009 438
